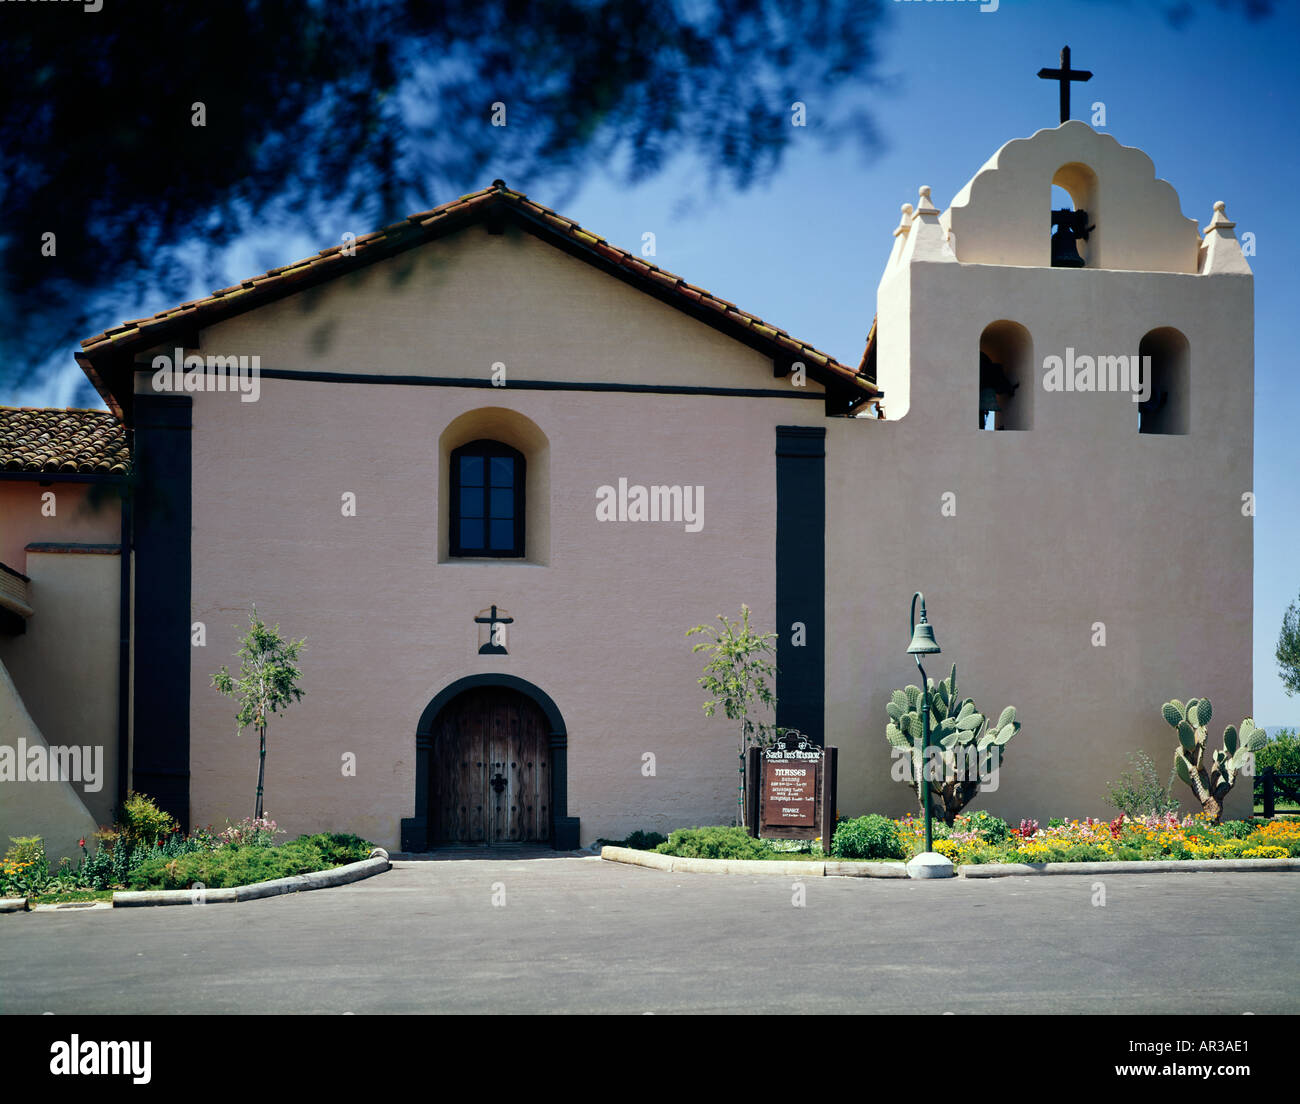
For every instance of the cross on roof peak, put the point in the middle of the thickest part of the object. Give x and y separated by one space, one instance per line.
1065 75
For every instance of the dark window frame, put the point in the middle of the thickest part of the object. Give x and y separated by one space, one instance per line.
487 449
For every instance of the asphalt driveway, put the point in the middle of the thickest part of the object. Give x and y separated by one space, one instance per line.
500 935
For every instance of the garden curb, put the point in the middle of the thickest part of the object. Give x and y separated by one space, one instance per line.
13 904
321 879
1169 866
677 865
831 869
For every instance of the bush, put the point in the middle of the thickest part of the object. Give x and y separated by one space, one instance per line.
251 832
24 869
867 837
237 866
644 841
1138 793
227 867
991 829
142 822
1282 753
337 848
714 843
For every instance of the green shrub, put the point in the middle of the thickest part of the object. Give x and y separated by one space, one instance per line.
1138 793
338 848
228 867
142 822
644 841
714 843
867 837
1282 753
991 829
237 866
25 869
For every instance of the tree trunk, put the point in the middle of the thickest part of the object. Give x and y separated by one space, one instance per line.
261 770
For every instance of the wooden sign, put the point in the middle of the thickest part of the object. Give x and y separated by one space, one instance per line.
791 789
790 793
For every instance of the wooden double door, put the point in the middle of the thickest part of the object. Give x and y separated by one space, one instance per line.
489 769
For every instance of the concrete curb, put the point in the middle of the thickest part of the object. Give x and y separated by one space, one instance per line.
676 865
671 863
13 904
322 879
1186 866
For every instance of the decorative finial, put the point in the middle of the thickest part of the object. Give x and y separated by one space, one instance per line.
1220 220
905 221
499 185
925 207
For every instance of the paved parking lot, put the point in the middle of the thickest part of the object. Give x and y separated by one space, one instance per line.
582 935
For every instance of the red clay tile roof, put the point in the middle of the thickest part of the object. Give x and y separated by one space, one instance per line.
40 439
414 230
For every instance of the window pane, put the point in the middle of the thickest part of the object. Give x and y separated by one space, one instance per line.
503 471
471 502
471 471
471 533
503 535
503 503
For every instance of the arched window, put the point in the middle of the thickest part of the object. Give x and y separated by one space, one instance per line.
1167 405
1006 380
487 500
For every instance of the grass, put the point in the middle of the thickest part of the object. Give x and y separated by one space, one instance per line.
69 896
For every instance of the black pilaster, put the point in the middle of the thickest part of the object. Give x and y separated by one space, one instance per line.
564 828
801 579
162 523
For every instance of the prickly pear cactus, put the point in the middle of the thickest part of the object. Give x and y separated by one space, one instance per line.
961 735
1213 785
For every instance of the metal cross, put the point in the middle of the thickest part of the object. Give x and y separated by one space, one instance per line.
1065 75
492 647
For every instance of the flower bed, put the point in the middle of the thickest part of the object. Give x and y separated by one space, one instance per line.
979 839
242 854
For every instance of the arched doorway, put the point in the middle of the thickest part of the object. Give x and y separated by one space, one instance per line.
489 770
491 767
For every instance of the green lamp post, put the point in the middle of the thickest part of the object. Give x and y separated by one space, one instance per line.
923 643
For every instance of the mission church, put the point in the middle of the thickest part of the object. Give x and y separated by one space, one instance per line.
445 483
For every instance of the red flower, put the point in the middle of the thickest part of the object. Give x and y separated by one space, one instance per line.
81 842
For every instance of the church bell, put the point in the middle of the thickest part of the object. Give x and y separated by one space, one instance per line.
1070 227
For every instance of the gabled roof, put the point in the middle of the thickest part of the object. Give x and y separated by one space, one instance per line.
42 439
107 357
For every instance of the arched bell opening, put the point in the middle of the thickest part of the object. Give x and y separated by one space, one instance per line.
1074 210
1166 407
1006 376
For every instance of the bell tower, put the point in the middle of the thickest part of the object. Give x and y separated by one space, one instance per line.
1091 525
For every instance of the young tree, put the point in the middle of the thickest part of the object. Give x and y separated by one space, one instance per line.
736 678
267 682
1288 650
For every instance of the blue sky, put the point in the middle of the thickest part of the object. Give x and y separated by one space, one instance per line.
1213 102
